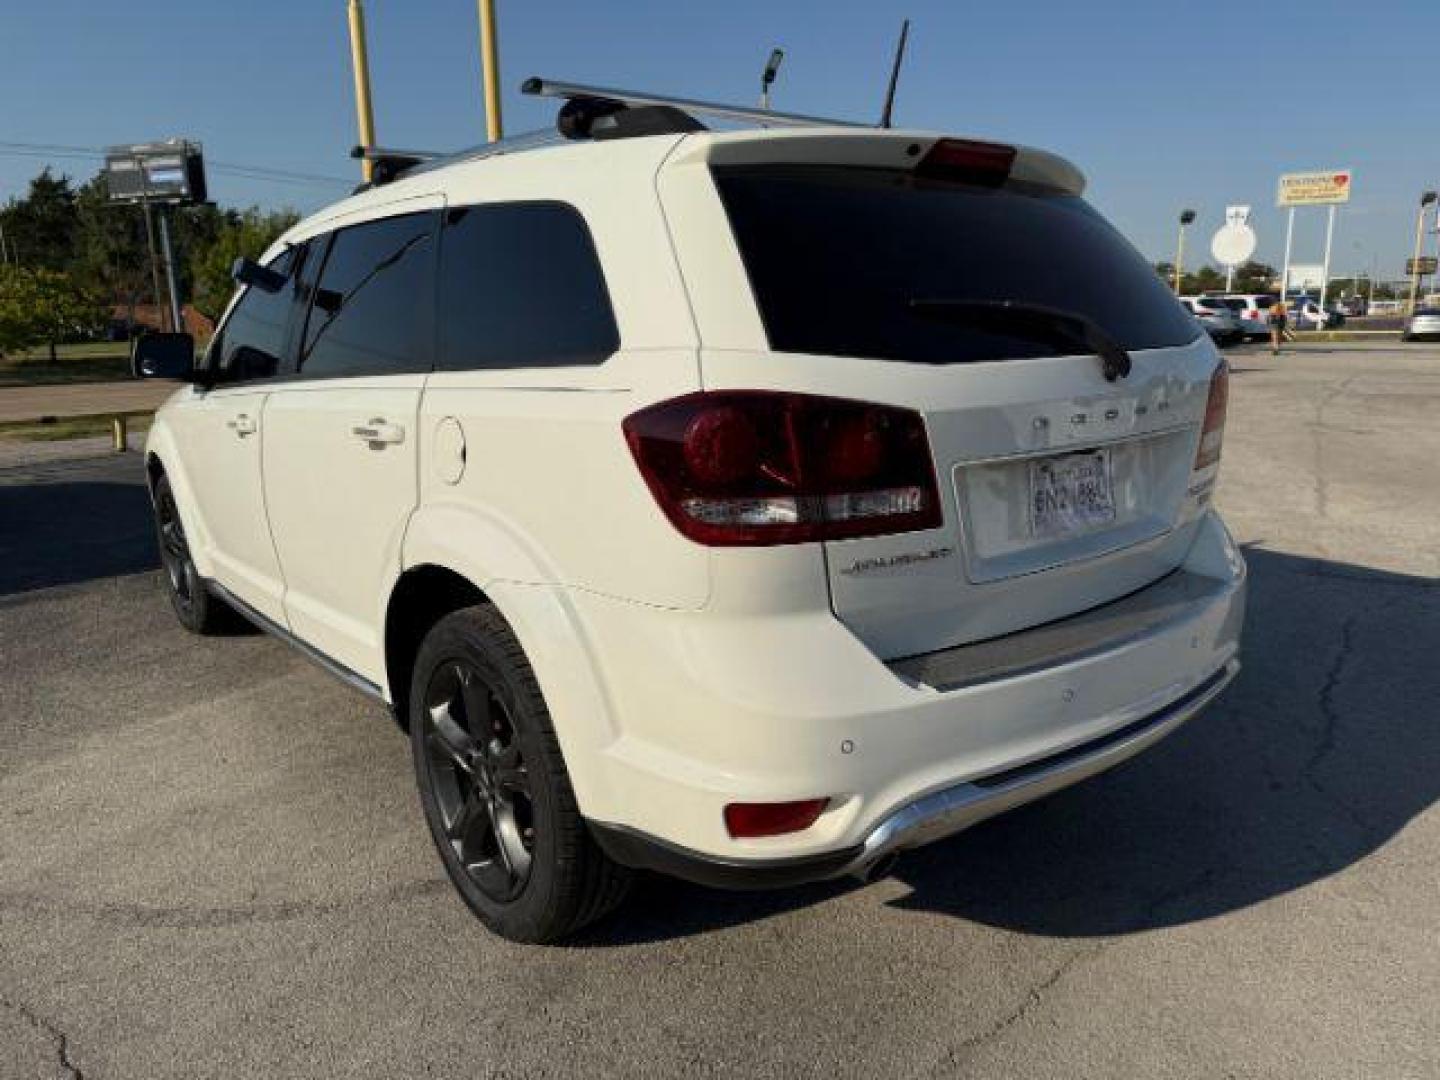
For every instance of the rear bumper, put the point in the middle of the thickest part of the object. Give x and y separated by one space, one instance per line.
710 708
923 821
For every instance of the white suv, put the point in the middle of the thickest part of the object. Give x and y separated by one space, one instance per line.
749 506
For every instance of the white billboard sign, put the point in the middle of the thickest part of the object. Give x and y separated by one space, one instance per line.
1320 188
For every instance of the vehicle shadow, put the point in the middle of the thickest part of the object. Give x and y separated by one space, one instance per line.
1322 751
70 522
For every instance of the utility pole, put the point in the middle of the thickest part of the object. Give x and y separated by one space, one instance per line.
490 69
176 323
1425 200
360 62
1285 270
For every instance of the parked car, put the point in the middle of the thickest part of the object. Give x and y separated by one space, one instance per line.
1222 324
1424 325
1352 307
750 506
1305 313
1252 309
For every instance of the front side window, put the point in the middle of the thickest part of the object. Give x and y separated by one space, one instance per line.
251 344
879 263
521 286
370 309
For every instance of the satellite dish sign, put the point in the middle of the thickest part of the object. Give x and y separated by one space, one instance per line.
1233 242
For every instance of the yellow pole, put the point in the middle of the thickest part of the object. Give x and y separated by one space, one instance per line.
364 115
490 68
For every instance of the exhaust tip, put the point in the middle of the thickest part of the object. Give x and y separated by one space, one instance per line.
880 868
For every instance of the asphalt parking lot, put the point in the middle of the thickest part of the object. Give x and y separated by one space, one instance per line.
212 863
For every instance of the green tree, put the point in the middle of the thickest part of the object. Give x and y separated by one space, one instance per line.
239 234
40 228
42 306
112 260
1254 277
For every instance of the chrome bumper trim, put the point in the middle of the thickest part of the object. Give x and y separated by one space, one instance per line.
950 810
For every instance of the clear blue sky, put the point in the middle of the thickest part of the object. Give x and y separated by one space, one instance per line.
1161 105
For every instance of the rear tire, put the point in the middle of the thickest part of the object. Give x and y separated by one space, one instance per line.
198 611
494 787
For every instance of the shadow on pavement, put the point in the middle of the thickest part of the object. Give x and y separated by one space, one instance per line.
1320 753
75 521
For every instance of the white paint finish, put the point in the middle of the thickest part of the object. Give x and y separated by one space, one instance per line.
226 493
338 506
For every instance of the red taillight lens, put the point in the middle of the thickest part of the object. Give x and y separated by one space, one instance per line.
968 162
754 467
771 819
1212 431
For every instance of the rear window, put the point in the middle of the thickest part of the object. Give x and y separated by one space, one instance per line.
1263 302
837 258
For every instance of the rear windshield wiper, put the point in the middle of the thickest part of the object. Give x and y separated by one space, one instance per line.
1034 321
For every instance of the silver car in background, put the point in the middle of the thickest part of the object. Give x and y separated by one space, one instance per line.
1424 325
1222 324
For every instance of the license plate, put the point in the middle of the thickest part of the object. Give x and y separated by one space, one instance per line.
1070 493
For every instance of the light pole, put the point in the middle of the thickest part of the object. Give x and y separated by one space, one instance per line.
1186 217
767 77
1425 200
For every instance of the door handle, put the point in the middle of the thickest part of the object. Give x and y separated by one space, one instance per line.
241 424
379 430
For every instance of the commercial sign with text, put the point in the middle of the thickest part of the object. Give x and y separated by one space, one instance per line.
1322 188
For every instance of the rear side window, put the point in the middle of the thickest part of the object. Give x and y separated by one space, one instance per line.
857 262
521 286
370 312
251 344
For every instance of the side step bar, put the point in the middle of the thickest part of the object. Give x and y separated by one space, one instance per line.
352 679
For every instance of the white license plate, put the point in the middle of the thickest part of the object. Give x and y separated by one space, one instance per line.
1070 493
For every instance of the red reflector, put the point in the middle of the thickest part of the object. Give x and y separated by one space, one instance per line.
1212 431
744 819
968 162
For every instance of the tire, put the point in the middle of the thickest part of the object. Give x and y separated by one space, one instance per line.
501 810
198 611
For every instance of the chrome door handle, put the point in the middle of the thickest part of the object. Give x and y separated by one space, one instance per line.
379 430
241 424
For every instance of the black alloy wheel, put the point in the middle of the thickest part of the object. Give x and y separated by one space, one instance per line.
494 787
479 778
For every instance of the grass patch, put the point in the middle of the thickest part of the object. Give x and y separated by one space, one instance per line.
78 428
90 361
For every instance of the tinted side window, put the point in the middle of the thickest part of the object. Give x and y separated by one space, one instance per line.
251 344
370 312
521 286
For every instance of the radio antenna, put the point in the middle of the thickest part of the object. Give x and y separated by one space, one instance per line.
895 75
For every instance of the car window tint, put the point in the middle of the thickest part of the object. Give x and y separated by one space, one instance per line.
521 286
842 262
370 310
251 343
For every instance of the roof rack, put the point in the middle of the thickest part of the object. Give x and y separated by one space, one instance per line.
574 92
589 112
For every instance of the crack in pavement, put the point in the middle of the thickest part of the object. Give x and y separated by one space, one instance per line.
1317 429
954 1056
1329 722
68 1069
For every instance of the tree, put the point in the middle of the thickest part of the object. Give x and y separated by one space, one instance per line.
1255 277
39 306
40 228
240 234
111 257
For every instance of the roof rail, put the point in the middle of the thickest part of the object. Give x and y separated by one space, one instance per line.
574 91
593 112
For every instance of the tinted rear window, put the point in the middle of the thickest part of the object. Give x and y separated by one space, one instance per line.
837 255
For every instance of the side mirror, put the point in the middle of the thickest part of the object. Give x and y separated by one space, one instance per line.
163 356
249 272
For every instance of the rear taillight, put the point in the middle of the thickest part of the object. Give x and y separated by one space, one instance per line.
772 819
755 467
968 162
1212 431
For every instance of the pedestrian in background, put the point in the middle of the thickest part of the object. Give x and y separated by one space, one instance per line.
1278 318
